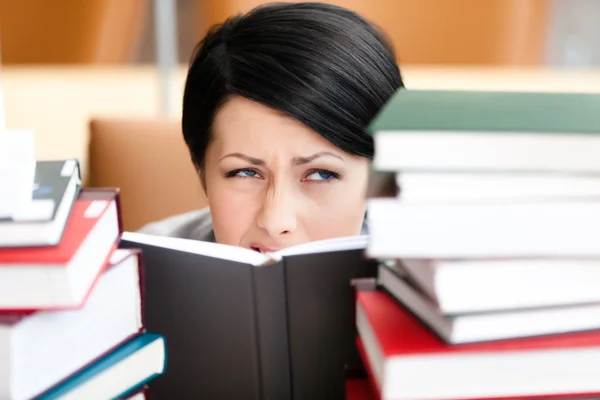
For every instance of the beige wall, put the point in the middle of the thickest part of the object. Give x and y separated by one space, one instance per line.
58 102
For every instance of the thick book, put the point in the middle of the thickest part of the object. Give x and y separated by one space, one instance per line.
492 325
279 325
359 389
408 361
41 221
40 349
445 187
519 228
119 374
459 286
421 130
53 277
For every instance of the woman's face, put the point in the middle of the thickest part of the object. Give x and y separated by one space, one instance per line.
272 182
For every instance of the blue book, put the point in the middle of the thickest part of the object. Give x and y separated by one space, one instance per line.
117 375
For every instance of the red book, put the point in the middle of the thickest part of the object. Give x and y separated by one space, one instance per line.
359 389
408 361
55 277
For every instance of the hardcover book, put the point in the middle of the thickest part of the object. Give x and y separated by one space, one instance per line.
40 221
279 325
422 130
40 349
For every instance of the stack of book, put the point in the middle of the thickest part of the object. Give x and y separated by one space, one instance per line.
489 254
71 321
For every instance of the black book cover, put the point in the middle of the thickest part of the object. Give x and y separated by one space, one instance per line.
321 320
283 330
210 311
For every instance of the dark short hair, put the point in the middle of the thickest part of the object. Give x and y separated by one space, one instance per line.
321 64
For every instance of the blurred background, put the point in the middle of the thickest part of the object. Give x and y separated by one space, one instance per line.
68 63
490 32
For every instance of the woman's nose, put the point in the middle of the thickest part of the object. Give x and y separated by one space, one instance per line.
278 214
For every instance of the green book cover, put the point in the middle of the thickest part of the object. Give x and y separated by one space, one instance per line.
425 110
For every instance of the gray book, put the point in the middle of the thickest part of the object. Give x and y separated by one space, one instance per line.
42 220
241 324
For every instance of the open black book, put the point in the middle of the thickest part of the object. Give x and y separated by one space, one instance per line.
241 324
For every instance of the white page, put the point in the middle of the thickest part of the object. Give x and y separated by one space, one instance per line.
240 254
223 251
325 245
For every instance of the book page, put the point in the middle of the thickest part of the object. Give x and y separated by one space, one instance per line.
243 255
216 250
325 245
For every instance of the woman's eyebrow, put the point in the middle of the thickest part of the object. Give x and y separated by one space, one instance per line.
306 160
295 160
251 160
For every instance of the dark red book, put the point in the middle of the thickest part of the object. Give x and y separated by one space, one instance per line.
43 349
55 277
408 361
359 389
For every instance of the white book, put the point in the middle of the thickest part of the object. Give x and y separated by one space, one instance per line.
473 186
488 326
46 347
482 285
508 151
484 230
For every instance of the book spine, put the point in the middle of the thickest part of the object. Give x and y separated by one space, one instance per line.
272 331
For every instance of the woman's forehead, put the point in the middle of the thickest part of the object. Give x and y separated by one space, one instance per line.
246 123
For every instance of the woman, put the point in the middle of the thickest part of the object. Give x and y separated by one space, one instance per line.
275 111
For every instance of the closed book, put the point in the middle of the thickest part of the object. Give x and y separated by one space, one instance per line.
42 219
422 130
515 229
359 389
279 325
473 186
53 277
40 349
409 361
491 325
459 286
117 375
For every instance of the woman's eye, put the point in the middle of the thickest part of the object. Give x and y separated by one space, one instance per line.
243 173
322 175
